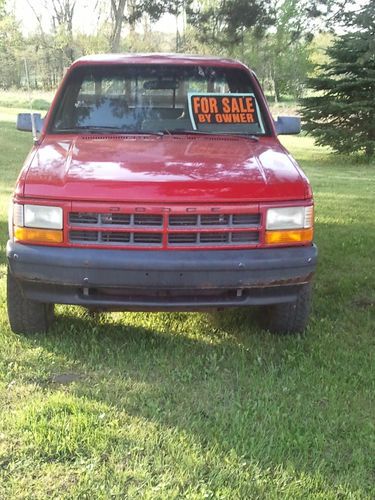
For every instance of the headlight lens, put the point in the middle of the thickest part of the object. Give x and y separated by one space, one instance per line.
17 215
289 218
38 216
43 217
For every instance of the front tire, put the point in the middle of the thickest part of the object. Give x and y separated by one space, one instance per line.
290 318
26 316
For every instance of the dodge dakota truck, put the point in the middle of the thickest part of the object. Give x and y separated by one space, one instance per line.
157 182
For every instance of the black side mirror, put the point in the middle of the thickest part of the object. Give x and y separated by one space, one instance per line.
24 122
288 125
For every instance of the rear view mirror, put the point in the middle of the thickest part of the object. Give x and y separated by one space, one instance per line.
24 122
288 125
160 84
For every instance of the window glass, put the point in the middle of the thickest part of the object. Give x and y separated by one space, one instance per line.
136 98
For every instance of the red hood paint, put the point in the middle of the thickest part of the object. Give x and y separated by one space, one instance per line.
168 169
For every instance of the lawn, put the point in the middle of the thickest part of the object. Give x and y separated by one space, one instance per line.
201 405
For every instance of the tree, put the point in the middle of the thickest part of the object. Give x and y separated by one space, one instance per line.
341 114
2 8
62 21
281 56
117 15
10 45
273 36
53 51
224 22
131 11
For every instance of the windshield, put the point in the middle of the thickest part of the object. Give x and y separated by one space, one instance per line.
159 99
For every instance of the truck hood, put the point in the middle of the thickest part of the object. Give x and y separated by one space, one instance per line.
145 168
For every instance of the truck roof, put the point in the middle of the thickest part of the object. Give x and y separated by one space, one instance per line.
156 58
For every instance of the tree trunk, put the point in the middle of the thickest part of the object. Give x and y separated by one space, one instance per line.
118 18
370 148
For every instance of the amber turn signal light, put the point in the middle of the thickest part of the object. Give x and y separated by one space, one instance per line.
289 236
38 235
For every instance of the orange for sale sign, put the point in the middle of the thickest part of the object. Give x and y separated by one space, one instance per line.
222 109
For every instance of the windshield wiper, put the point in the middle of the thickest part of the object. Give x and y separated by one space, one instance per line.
176 131
145 132
201 132
252 137
92 129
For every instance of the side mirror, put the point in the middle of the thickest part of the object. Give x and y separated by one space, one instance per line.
288 125
24 122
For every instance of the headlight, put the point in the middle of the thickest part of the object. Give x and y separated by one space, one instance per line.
38 216
37 224
289 218
289 226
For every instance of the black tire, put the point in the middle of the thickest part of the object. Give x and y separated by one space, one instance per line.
289 318
26 316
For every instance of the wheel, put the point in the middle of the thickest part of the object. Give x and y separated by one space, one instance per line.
291 317
26 316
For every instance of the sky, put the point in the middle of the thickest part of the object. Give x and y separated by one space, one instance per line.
85 18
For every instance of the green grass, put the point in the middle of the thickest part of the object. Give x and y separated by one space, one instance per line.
21 99
202 405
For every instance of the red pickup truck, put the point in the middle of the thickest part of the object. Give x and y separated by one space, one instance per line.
157 182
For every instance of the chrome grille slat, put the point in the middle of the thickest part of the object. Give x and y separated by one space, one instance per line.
212 220
83 218
217 238
147 220
115 237
183 220
248 220
84 236
115 219
147 238
245 237
214 238
182 238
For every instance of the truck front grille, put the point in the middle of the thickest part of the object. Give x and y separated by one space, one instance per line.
214 220
166 229
115 238
115 219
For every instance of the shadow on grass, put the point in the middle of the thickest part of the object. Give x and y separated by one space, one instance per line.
215 376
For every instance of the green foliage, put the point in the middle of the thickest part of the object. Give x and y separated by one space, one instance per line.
318 50
23 101
10 45
123 12
224 22
85 44
46 61
342 111
281 57
2 8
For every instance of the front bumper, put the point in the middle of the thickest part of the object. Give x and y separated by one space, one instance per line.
160 280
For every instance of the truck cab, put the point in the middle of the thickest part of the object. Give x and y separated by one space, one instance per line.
158 182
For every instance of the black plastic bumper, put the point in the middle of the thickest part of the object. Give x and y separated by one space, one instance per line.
160 280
